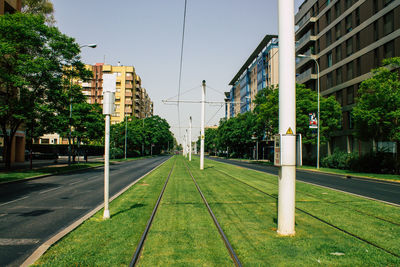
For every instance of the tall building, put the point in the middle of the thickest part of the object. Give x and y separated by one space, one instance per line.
259 71
131 99
348 38
10 6
18 142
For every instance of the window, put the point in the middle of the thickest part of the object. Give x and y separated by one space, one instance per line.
387 2
339 97
337 9
376 57
357 15
349 47
337 30
350 95
348 3
329 80
358 41
329 59
338 53
349 26
389 49
339 79
350 119
376 30
328 37
388 23
358 66
317 26
375 6
328 17
350 70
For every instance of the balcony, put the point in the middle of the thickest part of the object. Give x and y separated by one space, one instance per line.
128 93
86 84
128 86
304 22
303 60
305 39
306 76
128 102
128 110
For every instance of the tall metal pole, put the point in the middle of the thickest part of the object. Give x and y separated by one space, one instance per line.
318 115
106 214
203 98
126 130
287 119
190 139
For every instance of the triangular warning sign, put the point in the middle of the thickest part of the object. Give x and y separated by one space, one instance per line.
289 131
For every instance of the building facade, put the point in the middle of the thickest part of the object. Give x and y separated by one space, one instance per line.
259 71
347 38
10 6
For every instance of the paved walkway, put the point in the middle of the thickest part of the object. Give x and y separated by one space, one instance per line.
41 163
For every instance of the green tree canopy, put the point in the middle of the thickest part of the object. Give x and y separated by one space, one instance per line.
377 111
39 7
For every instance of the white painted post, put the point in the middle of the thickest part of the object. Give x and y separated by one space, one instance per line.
287 119
190 139
109 89
203 97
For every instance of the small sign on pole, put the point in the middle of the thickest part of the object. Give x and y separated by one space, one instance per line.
313 124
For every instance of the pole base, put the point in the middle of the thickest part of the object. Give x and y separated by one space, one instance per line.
106 214
285 233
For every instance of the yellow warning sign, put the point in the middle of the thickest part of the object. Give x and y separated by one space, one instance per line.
202 137
289 131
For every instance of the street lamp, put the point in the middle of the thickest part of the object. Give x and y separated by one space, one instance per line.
318 125
70 109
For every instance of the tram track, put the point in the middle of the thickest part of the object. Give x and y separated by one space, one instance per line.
316 217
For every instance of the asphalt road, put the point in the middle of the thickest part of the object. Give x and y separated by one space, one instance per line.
381 190
31 212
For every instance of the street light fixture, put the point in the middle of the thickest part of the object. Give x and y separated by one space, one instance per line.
70 109
318 124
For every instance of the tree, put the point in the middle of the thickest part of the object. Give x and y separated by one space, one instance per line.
267 109
34 61
210 140
39 7
377 111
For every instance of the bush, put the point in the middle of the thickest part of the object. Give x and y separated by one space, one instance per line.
338 160
116 153
374 162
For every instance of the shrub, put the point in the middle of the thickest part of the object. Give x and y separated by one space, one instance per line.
338 160
116 153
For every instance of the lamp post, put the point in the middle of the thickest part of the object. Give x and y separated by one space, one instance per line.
319 96
70 110
126 130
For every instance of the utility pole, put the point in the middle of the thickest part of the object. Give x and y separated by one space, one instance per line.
203 98
287 119
126 131
190 139
109 89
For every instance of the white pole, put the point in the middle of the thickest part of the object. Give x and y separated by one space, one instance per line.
318 115
287 119
190 139
106 214
126 130
203 98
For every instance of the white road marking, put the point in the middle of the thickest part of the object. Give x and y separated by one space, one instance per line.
13 201
75 182
46 191
17 241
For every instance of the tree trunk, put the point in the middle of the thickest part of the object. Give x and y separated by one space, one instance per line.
397 167
7 149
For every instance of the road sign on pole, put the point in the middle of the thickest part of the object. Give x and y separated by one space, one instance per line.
203 98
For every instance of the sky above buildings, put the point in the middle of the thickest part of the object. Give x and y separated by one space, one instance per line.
219 36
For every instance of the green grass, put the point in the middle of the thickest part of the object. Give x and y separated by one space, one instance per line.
183 233
56 169
393 177
112 242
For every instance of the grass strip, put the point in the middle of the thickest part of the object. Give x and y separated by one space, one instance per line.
112 242
249 220
183 233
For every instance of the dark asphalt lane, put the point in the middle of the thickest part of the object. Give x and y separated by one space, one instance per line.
381 190
32 212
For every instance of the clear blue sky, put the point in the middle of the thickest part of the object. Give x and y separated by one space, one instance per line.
219 37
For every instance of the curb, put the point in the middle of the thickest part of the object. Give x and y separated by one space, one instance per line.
47 244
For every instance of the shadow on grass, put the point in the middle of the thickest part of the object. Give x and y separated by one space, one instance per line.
134 206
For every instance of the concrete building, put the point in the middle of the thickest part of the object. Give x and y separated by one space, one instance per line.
18 142
348 38
10 6
259 71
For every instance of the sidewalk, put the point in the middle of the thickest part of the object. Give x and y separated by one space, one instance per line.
43 163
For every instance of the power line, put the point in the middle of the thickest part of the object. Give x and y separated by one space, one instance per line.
180 66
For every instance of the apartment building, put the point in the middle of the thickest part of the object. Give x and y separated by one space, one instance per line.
18 142
131 99
10 6
259 71
348 38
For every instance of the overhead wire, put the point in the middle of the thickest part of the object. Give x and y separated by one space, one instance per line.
180 66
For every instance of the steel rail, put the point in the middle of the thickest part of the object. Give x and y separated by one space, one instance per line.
221 232
139 248
319 219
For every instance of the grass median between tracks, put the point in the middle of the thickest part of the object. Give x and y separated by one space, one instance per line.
183 233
